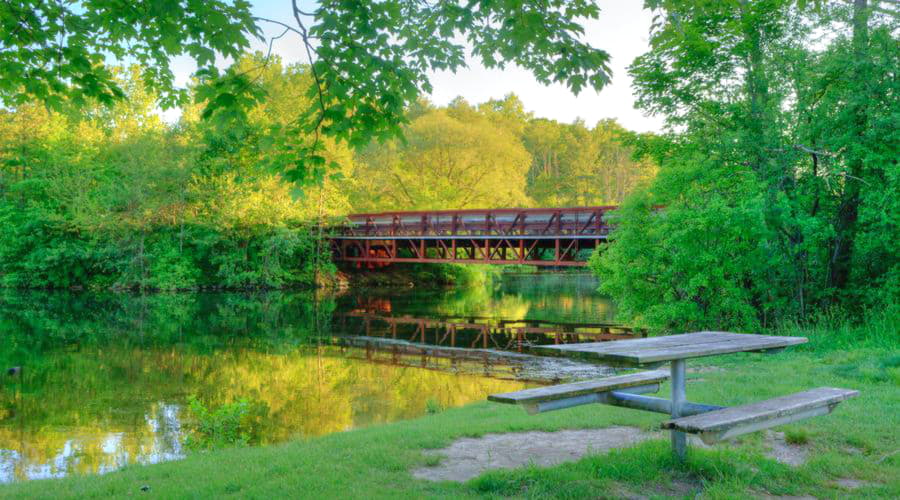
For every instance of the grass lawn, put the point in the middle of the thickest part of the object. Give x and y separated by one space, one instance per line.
860 440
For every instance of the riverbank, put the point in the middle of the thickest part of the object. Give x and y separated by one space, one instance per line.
415 275
852 450
426 275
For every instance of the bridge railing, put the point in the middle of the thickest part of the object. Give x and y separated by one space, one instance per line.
579 221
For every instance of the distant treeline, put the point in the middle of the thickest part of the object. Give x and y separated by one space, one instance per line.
118 198
496 155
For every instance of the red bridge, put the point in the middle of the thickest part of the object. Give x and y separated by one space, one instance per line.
533 236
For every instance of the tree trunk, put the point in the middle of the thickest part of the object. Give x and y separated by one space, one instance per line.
845 223
757 91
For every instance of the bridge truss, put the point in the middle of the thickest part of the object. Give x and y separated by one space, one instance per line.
537 236
480 332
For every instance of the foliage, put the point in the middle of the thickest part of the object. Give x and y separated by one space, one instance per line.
573 165
54 52
778 181
465 278
115 198
496 155
370 60
446 162
433 406
112 197
231 424
706 266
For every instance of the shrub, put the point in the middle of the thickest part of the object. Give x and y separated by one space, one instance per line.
232 424
796 436
702 261
433 406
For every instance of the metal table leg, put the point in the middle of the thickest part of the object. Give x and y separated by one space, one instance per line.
679 439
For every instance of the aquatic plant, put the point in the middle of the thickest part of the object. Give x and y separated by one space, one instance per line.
231 424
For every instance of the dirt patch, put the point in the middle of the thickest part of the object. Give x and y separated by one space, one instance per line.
706 369
852 450
784 452
848 483
679 488
469 457
766 496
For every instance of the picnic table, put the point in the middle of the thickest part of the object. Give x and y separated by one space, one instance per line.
712 423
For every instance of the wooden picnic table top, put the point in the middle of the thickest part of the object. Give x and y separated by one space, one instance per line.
652 350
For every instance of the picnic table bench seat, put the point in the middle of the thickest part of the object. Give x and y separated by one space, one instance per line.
560 396
712 423
729 422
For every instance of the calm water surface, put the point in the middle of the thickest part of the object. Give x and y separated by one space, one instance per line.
105 378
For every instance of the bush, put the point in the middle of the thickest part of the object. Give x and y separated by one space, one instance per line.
232 424
36 253
700 262
433 406
37 250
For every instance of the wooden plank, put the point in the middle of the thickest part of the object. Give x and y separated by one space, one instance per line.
730 422
711 349
553 392
631 346
642 351
663 341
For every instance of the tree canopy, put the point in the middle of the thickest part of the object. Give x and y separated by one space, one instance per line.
495 154
56 51
780 179
113 196
369 60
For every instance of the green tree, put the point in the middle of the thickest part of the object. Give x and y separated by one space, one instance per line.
508 113
753 98
112 197
54 51
370 60
445 163
573 165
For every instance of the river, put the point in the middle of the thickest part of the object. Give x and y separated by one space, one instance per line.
92 382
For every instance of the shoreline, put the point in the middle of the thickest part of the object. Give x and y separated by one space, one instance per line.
852 446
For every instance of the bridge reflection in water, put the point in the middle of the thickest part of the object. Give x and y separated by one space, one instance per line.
490 346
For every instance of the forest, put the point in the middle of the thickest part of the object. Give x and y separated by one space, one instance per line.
118 198
780 177
771 195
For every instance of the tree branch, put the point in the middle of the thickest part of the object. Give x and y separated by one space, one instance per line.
279 23
304 34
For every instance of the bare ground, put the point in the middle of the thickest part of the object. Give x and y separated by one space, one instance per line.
467 458
784 452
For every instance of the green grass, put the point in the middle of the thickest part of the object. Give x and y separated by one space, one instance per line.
859 440
797 436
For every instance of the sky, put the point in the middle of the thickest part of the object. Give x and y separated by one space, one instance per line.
622 30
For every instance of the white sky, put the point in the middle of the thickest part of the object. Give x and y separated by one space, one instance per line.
622 30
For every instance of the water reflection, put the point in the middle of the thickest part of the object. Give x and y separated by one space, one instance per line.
474 332
553 297
105 377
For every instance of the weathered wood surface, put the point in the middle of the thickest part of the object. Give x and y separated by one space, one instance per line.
730 422
554 392
671 347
